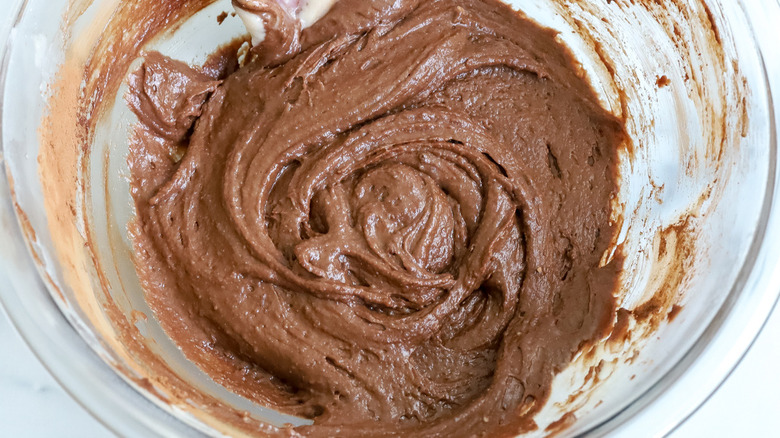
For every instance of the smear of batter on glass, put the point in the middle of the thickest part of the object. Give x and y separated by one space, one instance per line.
391 221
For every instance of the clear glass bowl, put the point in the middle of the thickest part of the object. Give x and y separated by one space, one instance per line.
727 286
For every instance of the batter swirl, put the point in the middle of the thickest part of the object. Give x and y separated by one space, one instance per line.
393 225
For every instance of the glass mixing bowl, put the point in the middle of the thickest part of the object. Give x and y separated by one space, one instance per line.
698 210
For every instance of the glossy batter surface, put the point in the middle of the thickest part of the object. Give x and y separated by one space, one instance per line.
393 224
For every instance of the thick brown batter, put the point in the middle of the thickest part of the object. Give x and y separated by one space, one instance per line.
392 225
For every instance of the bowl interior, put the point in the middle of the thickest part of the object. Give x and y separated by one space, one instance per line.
686 76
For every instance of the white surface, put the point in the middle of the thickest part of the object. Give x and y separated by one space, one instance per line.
33 405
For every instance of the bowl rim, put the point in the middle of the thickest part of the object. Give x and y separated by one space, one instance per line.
110 399
726 340
728 337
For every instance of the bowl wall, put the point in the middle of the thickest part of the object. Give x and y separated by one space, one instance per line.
695 208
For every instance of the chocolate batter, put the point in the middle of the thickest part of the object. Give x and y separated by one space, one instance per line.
390 222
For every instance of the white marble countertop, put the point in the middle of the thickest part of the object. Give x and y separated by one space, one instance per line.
33 405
